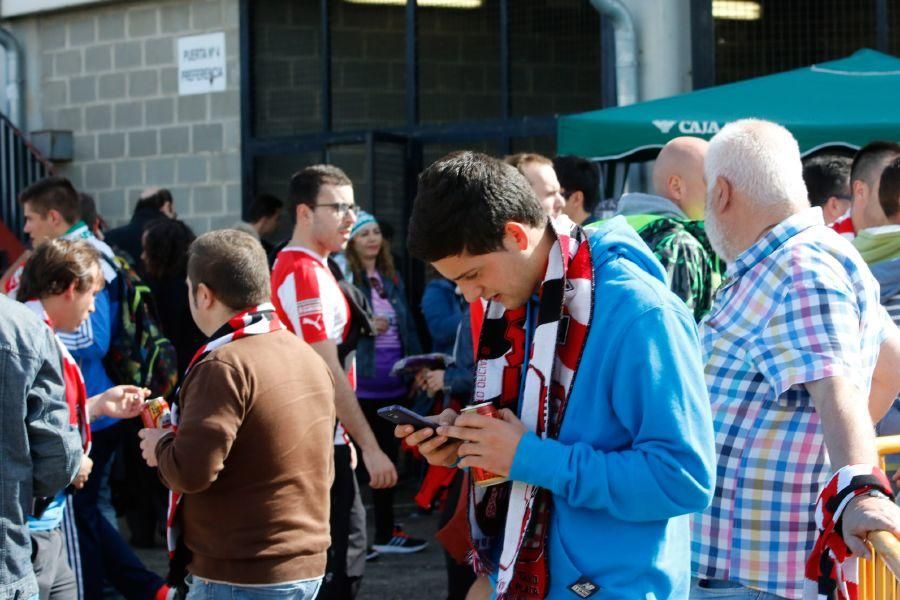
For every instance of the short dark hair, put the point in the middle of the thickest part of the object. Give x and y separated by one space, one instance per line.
233 265
869 158
889 189
166 243
55 265
464 201
827 176
155 200
576 174
265 205
53 193
306 183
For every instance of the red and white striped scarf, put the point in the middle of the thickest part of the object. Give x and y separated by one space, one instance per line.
254 321
76 393
514 513
831 571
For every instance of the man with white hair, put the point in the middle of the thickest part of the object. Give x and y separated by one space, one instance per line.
790 347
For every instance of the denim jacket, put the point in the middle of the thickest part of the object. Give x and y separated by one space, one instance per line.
406 326
41 451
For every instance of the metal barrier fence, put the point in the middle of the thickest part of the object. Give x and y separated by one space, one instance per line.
20 165
879 578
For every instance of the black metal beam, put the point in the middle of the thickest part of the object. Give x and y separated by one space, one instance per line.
505 72
703 44
248 113
881 26
325 32
424 134
412 63
608 92
370 167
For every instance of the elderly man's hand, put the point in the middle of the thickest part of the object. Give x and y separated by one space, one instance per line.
488 443
864 515
437 450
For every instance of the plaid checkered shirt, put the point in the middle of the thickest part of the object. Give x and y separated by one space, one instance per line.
797 306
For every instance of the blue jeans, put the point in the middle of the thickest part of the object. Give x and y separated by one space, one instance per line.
202 589
719 589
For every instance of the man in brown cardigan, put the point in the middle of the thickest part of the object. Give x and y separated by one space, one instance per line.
252 454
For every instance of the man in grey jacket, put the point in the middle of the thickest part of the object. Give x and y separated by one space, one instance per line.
41 451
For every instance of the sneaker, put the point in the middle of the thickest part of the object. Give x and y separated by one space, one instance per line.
372 554
401 543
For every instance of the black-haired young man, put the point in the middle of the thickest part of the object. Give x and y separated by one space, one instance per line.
865 210
828 184
579 182
311 304
264 217
589 359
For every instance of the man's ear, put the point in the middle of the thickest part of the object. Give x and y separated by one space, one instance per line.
675 187
206 298
576 198
69 293
722 195
515 237
55 217
859 189
302 213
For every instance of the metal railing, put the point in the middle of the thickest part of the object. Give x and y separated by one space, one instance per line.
879 578
20 166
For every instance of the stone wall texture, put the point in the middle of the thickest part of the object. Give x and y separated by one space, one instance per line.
109 74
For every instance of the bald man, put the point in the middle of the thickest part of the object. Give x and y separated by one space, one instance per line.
669 222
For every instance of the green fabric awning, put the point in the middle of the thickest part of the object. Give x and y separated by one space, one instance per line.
846 102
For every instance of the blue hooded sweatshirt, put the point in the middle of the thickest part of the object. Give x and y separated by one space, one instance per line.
635 454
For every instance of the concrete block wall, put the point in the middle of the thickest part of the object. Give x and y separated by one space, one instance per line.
109 73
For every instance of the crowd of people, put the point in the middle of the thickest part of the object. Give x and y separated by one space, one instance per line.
686 394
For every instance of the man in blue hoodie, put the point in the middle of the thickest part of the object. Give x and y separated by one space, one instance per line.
605 433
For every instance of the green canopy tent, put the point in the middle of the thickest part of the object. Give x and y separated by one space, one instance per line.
846 102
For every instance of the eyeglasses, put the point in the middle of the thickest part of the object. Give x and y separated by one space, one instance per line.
341 208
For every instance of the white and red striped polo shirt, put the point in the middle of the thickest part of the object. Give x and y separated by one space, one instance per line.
310 303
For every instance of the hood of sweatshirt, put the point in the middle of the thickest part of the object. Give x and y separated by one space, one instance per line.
636 203
616 238
887 272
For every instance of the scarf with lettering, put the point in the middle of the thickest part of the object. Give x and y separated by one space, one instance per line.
516 514
831 571
254 321
76 393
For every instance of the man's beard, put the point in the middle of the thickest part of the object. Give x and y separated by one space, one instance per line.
718 238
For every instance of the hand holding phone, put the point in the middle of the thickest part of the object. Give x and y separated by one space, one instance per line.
400 415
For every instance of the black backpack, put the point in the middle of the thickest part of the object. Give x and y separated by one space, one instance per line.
139 354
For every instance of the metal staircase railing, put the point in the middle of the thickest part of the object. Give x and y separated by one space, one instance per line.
20 166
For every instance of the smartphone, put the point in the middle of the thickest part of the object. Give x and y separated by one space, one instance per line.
400 415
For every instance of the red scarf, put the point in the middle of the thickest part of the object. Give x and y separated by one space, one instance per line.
254 321
831 571
76 393
516 514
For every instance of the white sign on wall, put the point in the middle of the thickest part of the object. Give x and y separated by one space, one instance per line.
201 64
